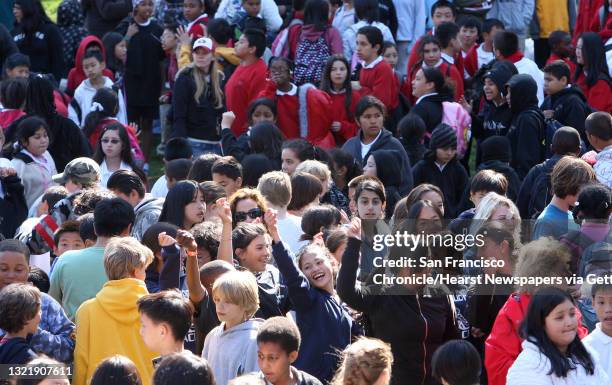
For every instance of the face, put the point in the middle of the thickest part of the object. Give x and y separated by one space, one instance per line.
290 161
468 36
435 199
121 51
602 302
428 221
245 206
561 325
229 185
318 269
477 197
338 73
202 58
241 48
431 54
17 12
144 9
50 381
92 67
251 7
262 114
445 155
325 184
579 58
192 9
442 15
280 73
38 143
133 198
552 85
370 206
371 121
151 333
565 48
256 255
370 167
364 49
13 268
490 90
168 40
203 256
228 312
111 144
390 56
501 213
72 187
69 241
19 72
509 96
195 210
274 362
420 85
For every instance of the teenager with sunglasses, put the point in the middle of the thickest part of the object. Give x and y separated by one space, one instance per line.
248 206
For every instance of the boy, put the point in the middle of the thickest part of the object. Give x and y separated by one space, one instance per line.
565 102
599 339
248 80
598 127
17 65
176 170
568 175
67 237
109 323
249 15
456 363
54 334
561 48
220 32
176 148
53 195
194 13
376 77
93 66
275 186
86 229
506 47
451 48
481 54
165 319
79 275
76 75
20 309
228 173
278 343
207 236
469 32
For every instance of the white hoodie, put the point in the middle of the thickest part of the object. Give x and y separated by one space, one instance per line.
84 95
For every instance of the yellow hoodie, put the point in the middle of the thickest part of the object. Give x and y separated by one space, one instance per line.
109 324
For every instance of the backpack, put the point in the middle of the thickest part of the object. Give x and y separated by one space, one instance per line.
280 46
597 258
540 195
310 59
550 127
454 115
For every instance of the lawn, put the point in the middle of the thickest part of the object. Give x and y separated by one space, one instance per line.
51 7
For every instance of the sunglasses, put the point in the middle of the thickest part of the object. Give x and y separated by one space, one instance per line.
253 213
113 141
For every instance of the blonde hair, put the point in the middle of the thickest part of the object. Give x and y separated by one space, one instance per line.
485 209
363 362
201 82
247 379
545 257
123 256
316 168
239 288
275 186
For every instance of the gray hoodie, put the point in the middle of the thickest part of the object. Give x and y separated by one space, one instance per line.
232 352
515 14
147 213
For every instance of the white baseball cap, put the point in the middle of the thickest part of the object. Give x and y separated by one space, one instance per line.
203 42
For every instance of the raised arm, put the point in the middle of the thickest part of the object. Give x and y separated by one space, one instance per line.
226 250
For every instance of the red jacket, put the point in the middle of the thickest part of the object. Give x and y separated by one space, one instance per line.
198 27
567 61
61 102
599 96
9 116
348 126
76 74
380 81
504 343
448 70
241 89
587 11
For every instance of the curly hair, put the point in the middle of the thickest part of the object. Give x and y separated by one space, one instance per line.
363 362
19 303
247 193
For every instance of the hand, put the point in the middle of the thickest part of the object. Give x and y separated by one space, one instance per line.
186 240
132 30
354 229
165 240
164 99
464 103
548 114
7 171
355 85
183 36
224 211
477 333
227 119
135 127
271 222
336 126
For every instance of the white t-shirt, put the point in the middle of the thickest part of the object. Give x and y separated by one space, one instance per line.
290 231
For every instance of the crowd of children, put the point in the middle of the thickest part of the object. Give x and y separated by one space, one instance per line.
294 135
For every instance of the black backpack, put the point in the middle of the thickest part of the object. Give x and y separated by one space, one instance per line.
541 194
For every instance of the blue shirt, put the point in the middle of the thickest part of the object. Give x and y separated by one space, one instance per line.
553 222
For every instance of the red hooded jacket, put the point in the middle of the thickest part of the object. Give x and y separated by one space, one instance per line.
76 74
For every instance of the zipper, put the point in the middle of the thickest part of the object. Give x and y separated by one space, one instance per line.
424 340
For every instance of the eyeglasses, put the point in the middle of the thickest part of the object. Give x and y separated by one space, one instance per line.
253 213
113 141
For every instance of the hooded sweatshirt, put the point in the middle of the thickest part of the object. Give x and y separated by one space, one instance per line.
570 106
70 21
76 74
232 352
527 131
109 324
389 171
429 108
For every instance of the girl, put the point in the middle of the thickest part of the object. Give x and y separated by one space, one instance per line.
38 37
197 100
294 152
385 165
113 152
331 194
391 56
105 105
319 219
248 206
116 54
412 133
194 12
367 361
306 190
440 167
184 205
302 112
312 293
346 169
423 217
495 207
592 73
430 89
552 350
336 82
231 348
424 191
12 97
31 160
118 370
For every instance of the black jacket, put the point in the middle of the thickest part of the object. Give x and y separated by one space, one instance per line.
430 110
194 120
15 351
571 108
45 49
7 46
527 132
102 16
386 141
13 207
451 180
237 147
414 326
524 196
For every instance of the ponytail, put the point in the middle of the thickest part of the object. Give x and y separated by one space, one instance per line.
103 105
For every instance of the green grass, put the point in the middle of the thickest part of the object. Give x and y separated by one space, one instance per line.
51 8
